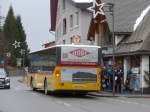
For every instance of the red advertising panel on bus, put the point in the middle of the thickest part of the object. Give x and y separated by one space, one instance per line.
79 55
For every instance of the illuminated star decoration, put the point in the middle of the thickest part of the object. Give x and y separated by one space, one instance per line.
16 44
100 10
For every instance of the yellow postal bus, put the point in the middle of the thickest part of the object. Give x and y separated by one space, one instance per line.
69 68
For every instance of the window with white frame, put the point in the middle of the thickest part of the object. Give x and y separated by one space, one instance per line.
77 18
63 4
71 21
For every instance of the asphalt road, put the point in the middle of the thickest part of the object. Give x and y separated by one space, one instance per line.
22 99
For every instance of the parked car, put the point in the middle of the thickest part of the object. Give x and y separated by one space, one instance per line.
4 79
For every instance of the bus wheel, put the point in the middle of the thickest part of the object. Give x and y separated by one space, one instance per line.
31 85
45 87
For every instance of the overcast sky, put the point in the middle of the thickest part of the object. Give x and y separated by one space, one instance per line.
35 16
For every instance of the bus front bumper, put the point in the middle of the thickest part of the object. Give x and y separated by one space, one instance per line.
89 87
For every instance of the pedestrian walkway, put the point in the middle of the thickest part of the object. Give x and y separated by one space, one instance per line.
128 95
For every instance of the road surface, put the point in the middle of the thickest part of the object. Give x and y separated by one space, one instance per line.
20 98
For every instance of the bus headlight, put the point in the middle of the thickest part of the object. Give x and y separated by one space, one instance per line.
57 74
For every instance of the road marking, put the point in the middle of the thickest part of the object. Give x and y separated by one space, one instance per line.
60 102
67 104
145 105
17 88
64 103
35 94
129 102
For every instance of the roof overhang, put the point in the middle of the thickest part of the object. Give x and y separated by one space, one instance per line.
144 52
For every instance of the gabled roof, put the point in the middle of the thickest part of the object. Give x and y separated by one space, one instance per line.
139 42
125 13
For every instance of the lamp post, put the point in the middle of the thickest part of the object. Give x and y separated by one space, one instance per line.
102 8
111 6
113 36
110 9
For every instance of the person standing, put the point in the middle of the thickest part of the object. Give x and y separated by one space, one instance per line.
118 79
109 78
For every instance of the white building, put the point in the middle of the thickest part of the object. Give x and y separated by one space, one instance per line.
71 19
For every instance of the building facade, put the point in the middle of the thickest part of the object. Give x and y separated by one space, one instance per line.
71 19
131 45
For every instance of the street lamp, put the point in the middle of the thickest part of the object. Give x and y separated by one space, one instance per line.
106 7
109 7
111 11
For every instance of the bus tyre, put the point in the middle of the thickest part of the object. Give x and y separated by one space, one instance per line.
31 85
45 87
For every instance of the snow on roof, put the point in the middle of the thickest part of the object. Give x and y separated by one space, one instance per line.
140 18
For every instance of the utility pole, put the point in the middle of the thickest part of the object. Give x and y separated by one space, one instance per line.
99 16
113 36
110 10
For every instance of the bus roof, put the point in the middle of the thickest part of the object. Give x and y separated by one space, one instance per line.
71 45
66 45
